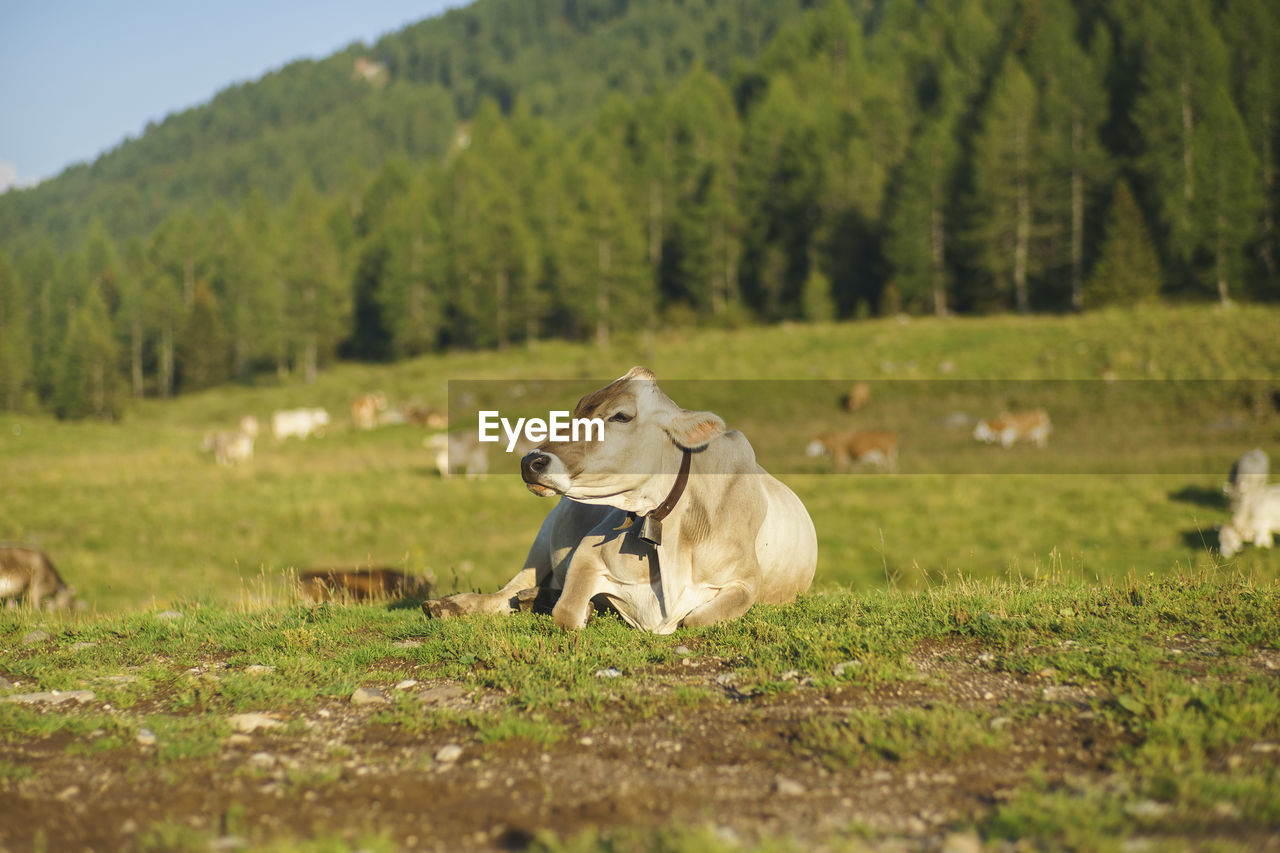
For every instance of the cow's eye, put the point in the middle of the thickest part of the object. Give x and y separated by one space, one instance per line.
620 418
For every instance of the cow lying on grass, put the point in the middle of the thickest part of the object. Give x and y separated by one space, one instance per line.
669 520
360 584
27 576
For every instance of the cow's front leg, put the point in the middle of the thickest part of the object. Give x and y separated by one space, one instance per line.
729 603
467 603
584 580
504 601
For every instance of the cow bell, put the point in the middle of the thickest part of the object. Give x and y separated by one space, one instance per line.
651 531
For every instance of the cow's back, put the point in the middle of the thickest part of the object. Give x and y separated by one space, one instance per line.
786 545
29 571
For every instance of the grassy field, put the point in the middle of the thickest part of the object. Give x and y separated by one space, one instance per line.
1054 713
1036 648
134 514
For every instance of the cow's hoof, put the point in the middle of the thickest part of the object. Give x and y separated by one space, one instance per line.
441 608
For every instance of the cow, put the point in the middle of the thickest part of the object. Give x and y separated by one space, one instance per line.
298 422
360 584
1255 520
669 520
420 415
458 452
878 448
858 397
1010 427
365 410
1248 474
249 426
229 448
27 575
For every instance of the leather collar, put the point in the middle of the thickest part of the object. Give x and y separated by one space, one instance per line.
682 479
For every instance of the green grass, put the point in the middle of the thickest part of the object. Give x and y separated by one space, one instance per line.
1181 725
1070 581
135 515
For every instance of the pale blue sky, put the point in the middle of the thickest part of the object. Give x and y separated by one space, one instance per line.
78 76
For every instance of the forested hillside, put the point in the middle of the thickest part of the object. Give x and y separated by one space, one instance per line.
519 170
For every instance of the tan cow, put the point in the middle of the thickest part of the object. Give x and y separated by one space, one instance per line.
27 575
229 448
859 396
360 584
365 409
878 448
669 519
1010 427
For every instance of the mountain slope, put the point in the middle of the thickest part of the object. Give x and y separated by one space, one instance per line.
323 120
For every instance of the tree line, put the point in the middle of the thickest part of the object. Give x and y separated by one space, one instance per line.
971 156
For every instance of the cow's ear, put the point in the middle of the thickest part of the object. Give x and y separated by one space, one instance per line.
694 430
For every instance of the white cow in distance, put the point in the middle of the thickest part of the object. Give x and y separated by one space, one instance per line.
1256 519
299 423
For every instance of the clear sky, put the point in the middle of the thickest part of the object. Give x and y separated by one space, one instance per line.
79 76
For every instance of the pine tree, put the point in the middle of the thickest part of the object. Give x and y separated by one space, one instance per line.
318 304
1005 171
37 270
918 228
783 184
411 291
1128 268
16 377
87 382
1230 197
203 354
1194 140
1251 30
1072 108
816 302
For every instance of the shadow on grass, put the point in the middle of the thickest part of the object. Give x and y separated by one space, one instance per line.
1200 539
1200 496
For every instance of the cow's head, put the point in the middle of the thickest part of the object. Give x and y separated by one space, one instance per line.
633 467
820 445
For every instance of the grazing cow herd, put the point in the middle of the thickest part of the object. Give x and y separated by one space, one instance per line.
669 521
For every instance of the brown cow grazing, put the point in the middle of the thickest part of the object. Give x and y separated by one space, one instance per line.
878 448
360 584
858 397
1010 427
365 409
27 575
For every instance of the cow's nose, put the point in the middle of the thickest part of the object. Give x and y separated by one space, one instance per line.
533 465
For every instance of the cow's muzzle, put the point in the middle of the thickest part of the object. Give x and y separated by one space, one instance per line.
532 468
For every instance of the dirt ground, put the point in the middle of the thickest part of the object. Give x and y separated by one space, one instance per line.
737 767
